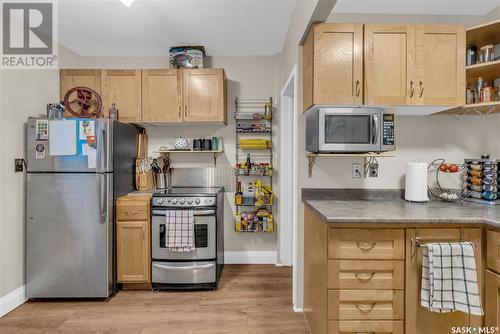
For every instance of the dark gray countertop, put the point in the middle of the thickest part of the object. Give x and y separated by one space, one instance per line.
400 211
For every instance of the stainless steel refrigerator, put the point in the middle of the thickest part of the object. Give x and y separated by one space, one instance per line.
76 168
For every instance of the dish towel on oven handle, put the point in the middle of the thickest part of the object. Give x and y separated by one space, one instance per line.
449 279
179 229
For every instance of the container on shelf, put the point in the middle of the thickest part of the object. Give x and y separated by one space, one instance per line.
254 221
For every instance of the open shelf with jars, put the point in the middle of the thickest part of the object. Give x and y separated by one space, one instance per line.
482 71
254 171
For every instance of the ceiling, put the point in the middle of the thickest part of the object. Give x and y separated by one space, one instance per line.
416 7
150 27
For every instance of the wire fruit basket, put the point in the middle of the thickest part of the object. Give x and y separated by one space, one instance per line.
441 167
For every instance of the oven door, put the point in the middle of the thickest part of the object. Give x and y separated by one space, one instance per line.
349 130
205 222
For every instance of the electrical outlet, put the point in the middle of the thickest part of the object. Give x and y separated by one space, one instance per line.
373 170
18 165
357 171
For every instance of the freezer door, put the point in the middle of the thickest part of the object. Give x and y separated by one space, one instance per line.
69 235
41 144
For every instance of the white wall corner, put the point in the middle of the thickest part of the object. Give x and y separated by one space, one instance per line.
249 257
12 300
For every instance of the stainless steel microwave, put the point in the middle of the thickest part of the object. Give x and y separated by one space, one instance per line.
335 130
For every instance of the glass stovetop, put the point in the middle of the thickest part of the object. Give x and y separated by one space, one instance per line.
188 191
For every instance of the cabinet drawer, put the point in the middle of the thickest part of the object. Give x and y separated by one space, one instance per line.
366 274
376 244
493 250
365 304
132 211
365 327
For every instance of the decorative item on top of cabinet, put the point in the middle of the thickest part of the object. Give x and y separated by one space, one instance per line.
133 244
204 95
333 64
162 96
123 87
71 78
418 319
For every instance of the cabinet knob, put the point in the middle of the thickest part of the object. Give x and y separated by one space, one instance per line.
365 308
412 88
185 111
421 84
358 87
180 115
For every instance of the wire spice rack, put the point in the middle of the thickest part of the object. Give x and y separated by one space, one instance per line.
254 135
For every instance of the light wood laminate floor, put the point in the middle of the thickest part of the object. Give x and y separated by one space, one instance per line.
251 299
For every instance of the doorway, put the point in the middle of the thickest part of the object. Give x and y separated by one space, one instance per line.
287 239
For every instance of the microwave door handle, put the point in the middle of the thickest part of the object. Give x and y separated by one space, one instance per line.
376 125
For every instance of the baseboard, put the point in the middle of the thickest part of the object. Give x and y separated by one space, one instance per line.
298 309
12 300
249 257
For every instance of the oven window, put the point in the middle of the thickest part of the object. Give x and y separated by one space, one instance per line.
347 129
200 236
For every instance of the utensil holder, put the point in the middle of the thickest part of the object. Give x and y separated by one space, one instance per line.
161 181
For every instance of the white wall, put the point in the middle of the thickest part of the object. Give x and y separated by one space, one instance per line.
23 93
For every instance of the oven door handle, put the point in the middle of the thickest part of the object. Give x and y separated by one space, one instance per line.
188 267
196 213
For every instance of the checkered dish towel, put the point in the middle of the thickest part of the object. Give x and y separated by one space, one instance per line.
449 281
179 227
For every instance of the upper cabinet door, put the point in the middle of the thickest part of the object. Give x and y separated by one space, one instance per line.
338 64
389 64
333 64
161 96
204 95
123 87
75 78
440 63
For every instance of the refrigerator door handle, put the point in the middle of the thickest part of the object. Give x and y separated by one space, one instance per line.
103 198
102 151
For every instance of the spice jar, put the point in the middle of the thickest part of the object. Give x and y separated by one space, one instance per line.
487 94
486 53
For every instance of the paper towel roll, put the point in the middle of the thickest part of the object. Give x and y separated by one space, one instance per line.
416 182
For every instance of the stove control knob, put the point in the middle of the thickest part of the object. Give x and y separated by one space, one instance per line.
174 201
190 200
182 201
160 201
197 200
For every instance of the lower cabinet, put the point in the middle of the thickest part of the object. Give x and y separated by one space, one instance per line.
133 240
367 280
492 292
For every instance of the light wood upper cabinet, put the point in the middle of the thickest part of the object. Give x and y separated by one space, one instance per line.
122 87
74 78
161 96
389 64
333 64
440 64
204 95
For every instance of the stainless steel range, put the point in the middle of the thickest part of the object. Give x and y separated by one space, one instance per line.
198 269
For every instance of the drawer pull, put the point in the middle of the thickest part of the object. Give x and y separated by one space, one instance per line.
365 332
365 277
366 246
132 212
365 308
